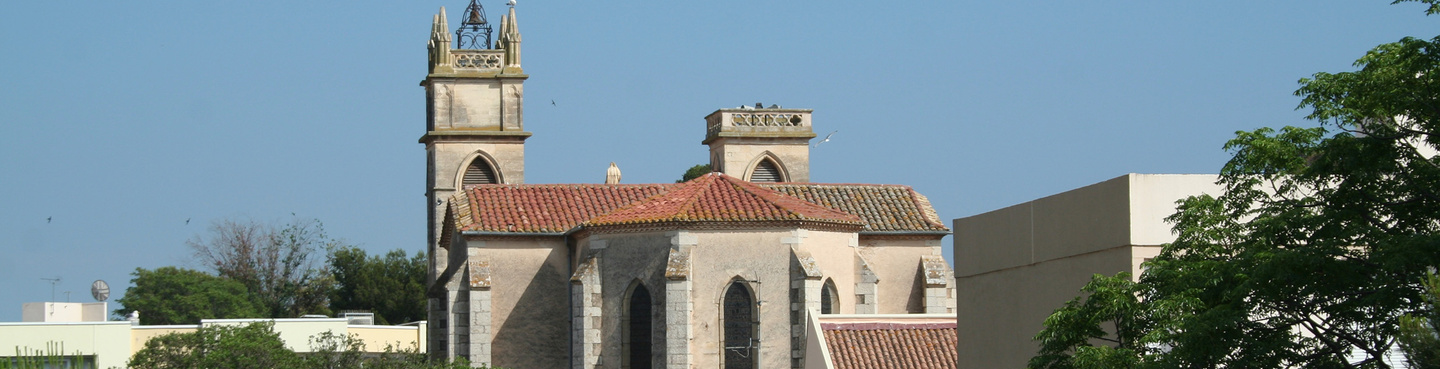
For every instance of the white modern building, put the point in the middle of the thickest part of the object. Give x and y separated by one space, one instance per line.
80 329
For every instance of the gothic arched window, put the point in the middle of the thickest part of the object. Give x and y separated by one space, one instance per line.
766 171
829 299
740 321
637 327
480 172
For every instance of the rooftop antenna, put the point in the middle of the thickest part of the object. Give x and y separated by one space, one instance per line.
53 282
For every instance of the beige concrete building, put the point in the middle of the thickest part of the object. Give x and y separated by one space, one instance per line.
725 270
1014 266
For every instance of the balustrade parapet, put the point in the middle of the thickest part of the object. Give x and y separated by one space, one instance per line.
771 122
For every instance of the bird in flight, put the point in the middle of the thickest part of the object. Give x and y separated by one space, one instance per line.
552 102
47 219
187 221
826 139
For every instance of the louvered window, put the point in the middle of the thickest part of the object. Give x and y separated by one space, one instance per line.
480 172
766 172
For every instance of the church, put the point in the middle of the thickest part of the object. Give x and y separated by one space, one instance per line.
730 269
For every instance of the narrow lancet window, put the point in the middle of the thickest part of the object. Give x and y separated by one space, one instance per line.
639 332
740 343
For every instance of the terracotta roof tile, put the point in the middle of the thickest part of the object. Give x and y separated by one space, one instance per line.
546 208
885 208
891 345
555 208
716 197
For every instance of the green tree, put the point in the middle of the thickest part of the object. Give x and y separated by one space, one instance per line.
1313 253
333 351
257 345
392 287
1066 341
1420 332
695 172
249 346
171 295
279 265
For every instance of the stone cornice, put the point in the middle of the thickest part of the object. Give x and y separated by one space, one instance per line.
493 74
800 137
480 135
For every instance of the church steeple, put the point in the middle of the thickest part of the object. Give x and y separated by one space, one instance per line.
474 135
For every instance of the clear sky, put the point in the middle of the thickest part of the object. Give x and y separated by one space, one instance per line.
119 121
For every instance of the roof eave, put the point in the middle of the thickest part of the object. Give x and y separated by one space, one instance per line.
493 233
906 233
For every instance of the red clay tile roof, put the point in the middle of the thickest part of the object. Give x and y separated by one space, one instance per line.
556 208
717 197
885 208
891 345
545 208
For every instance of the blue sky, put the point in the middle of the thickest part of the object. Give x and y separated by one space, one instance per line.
121 120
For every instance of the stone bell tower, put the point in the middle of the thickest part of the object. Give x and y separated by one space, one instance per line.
474 134
760 144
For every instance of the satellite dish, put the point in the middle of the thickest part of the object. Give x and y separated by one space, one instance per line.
100 290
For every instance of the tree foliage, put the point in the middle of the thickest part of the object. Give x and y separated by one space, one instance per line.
279 265
695 172
257 345
1420 332
1111 300
1312 254
171 295
392 287
217 347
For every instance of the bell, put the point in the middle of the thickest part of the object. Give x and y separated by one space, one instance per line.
475 17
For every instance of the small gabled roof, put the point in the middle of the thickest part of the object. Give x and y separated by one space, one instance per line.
717 197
